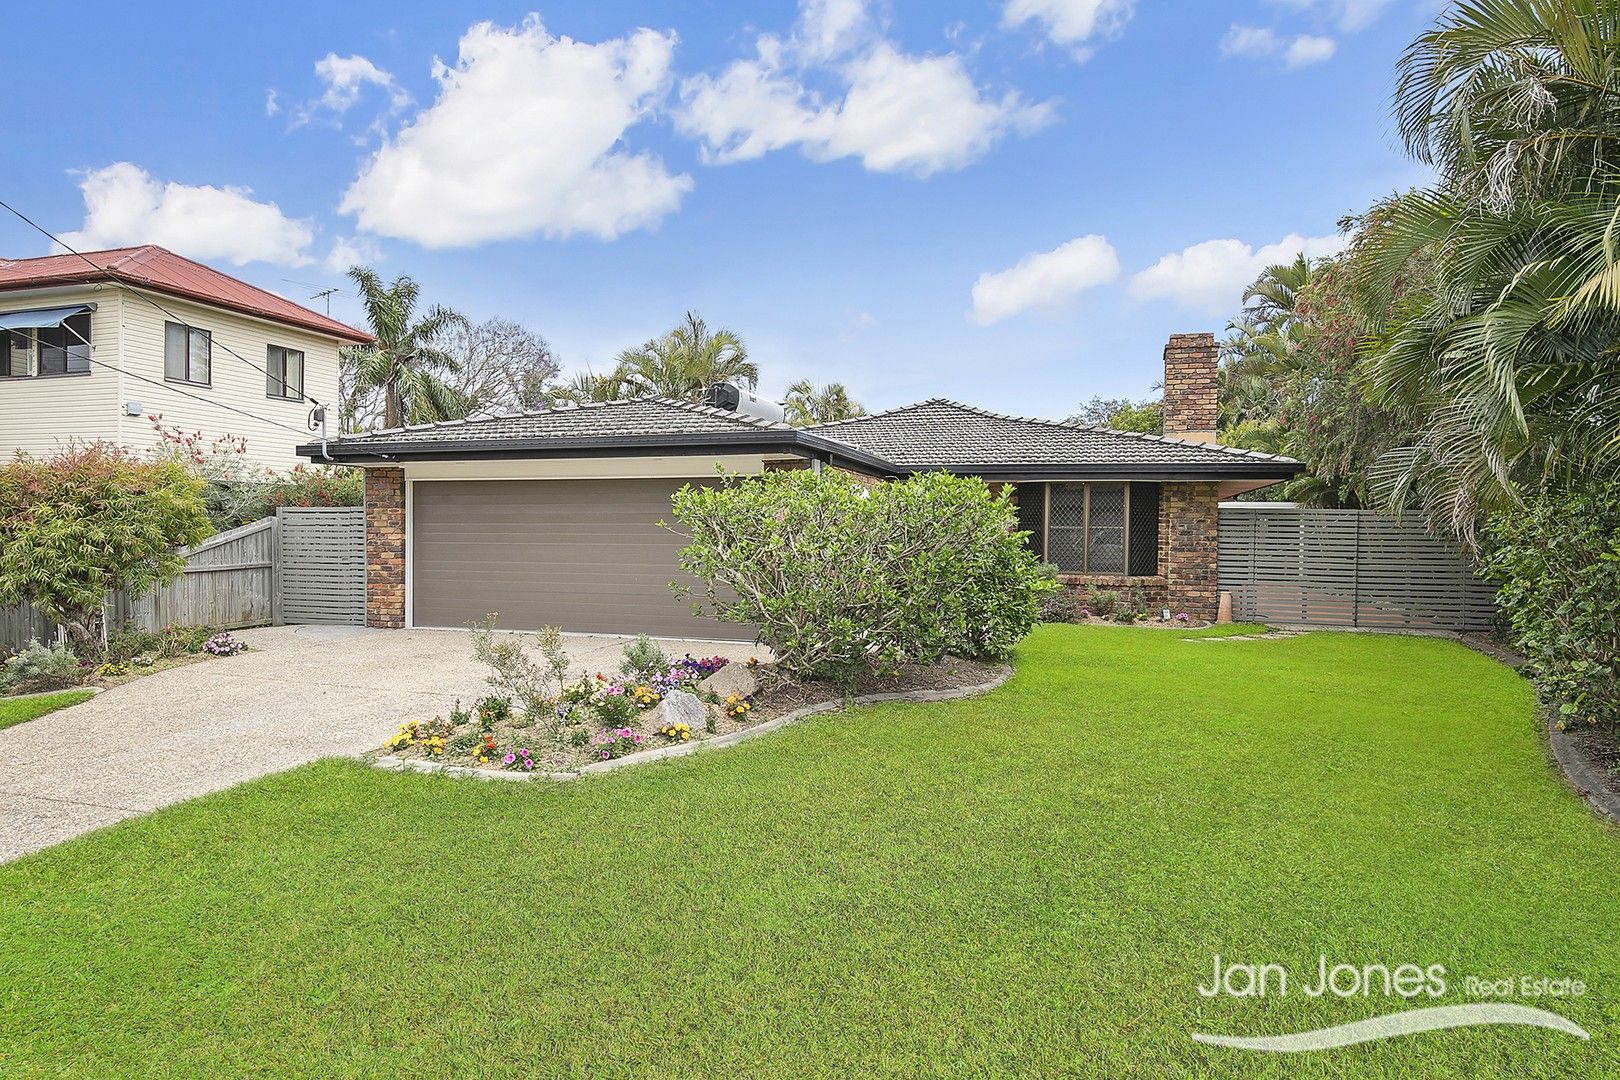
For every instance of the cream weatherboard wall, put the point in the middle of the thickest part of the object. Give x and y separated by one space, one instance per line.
234 385
39 415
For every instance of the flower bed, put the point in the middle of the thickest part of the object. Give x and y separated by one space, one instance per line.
602 717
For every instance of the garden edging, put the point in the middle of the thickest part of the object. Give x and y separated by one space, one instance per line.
1579 772
662 753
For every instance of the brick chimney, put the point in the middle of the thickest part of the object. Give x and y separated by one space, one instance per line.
1190 385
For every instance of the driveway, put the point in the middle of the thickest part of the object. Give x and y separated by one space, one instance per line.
305 692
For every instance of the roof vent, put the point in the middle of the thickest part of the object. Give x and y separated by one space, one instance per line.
735 399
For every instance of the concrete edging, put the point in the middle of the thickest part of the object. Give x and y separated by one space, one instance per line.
1579 772
662 753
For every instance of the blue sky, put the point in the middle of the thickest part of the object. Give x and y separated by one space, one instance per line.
1010 202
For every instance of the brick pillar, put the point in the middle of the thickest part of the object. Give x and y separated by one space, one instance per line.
1191 383
385 548
1188 515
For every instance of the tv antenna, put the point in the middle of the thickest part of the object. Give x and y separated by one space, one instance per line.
319 294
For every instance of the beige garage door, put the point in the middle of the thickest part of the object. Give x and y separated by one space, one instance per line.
585 555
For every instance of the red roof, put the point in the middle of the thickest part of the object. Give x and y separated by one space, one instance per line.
161 270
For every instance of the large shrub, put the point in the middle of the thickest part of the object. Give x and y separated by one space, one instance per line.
845 580
1558 558
239 491
88 520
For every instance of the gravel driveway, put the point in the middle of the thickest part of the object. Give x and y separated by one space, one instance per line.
305 692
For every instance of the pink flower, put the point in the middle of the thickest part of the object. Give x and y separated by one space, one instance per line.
508 759
606 754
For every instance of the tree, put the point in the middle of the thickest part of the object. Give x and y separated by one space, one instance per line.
686 361
1509 373
407 364
1123 414
807 405
89 520
501 366
586 387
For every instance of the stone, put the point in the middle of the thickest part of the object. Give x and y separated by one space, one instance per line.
678 707
732 679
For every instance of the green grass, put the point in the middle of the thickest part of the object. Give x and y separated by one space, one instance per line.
16 710
1029 883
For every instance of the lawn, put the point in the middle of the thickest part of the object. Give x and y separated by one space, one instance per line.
16 710
1029 883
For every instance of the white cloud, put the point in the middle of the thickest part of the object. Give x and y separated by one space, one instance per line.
1210 277
345 77
1071 23
896 112
1259 41
350 251
124 205
1045 279
1309 49
1347 15
525 138
271 105
1249 41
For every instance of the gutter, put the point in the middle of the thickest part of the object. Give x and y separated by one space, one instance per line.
773 441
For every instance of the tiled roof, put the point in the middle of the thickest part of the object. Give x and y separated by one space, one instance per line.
943 433
161 270
604 421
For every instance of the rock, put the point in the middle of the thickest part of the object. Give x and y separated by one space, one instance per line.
678 707
734 678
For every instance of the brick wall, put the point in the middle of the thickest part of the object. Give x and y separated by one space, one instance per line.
1191 382
385 548
1187 547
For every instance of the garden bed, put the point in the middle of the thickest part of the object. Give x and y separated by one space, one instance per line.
562 735
130 654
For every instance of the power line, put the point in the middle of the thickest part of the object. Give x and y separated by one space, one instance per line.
135 288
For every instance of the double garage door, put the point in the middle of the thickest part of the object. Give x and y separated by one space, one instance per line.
585 555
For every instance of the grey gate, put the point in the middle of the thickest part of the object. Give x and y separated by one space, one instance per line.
322 564
1285 563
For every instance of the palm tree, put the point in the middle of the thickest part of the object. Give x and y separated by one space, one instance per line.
587 387
685 362
1510 369
806 405
405 361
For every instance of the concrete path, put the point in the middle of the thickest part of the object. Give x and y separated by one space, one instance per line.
305 692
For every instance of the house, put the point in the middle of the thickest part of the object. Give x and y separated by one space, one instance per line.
92 345
551 518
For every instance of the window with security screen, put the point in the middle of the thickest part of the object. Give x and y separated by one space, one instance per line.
1093 528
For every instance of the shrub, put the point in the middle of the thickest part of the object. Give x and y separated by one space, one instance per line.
88 520
1101 602
130 641
182 640
1059 603
41 667
1558 558
643 659
494 710
615 742
845 580
514 671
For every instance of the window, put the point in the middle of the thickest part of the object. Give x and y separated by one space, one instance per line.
187 353
1102 528
47 350
284 374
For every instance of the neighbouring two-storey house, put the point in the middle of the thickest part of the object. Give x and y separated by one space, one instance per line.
93 345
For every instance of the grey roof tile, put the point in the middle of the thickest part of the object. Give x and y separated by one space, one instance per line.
594 420
940 432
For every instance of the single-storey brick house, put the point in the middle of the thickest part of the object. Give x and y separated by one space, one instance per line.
551 518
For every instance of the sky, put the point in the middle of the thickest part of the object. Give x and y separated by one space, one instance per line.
1008 202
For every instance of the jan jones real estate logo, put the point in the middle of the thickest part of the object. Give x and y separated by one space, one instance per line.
1495 1001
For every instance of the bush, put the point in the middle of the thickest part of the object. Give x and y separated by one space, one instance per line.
1101 602
129 641
1558 558
1059 603
88 520
643 659
515 672
41 667
845 581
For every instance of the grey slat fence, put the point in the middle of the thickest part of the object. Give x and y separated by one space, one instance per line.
1289 564
303 565
323 565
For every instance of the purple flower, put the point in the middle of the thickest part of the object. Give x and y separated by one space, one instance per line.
508 759
606 754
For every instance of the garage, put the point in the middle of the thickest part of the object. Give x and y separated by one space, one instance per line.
585 555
